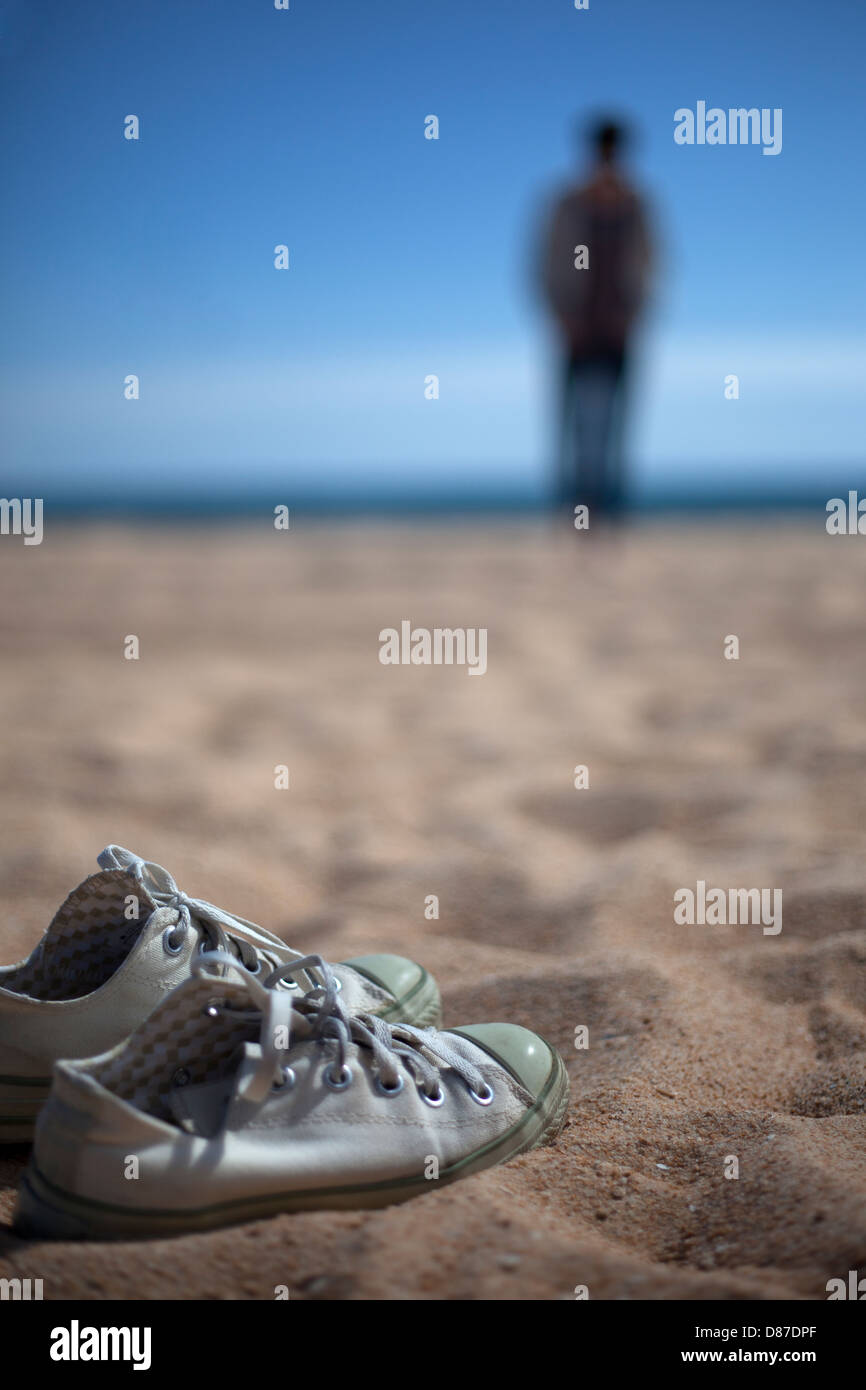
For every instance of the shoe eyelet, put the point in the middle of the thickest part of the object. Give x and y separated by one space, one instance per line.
482 1098
434 1100
286 983
333 1083
287 1082
389 1090
255 970
168 945
180 1077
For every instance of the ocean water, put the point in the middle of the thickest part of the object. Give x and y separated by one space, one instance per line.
184 502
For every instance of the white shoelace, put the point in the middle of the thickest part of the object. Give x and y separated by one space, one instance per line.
424 1053
227 933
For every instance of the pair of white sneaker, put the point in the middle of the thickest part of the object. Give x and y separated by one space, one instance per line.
228 1077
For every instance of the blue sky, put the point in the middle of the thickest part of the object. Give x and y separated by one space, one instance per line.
411 256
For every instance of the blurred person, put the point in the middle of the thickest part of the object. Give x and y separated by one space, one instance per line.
596 264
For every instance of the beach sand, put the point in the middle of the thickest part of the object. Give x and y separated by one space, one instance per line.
706 1043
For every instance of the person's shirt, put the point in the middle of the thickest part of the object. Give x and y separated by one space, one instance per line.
596 306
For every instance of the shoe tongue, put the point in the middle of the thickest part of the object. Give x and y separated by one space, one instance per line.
96 924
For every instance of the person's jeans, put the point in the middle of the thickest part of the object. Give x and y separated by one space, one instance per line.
591 465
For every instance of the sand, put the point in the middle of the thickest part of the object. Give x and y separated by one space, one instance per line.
556 910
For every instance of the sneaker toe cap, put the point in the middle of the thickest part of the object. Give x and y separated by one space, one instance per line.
396 974
527 1056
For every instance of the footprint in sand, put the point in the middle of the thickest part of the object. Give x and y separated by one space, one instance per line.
837 1032
621 1009
803 974
837 1088
824 914
498 907
608 817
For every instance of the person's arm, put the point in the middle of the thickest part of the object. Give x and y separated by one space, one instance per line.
559 278
645 251
551 240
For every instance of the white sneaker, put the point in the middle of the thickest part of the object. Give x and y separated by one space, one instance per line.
234 1101
119 943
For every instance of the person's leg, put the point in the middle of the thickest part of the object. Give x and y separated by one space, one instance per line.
567 464
614 452
590 393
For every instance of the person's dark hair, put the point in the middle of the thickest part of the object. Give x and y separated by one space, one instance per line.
608 136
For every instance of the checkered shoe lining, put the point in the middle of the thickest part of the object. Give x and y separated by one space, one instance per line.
181 1044
87 941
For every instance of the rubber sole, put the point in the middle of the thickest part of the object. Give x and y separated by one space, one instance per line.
47 1211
